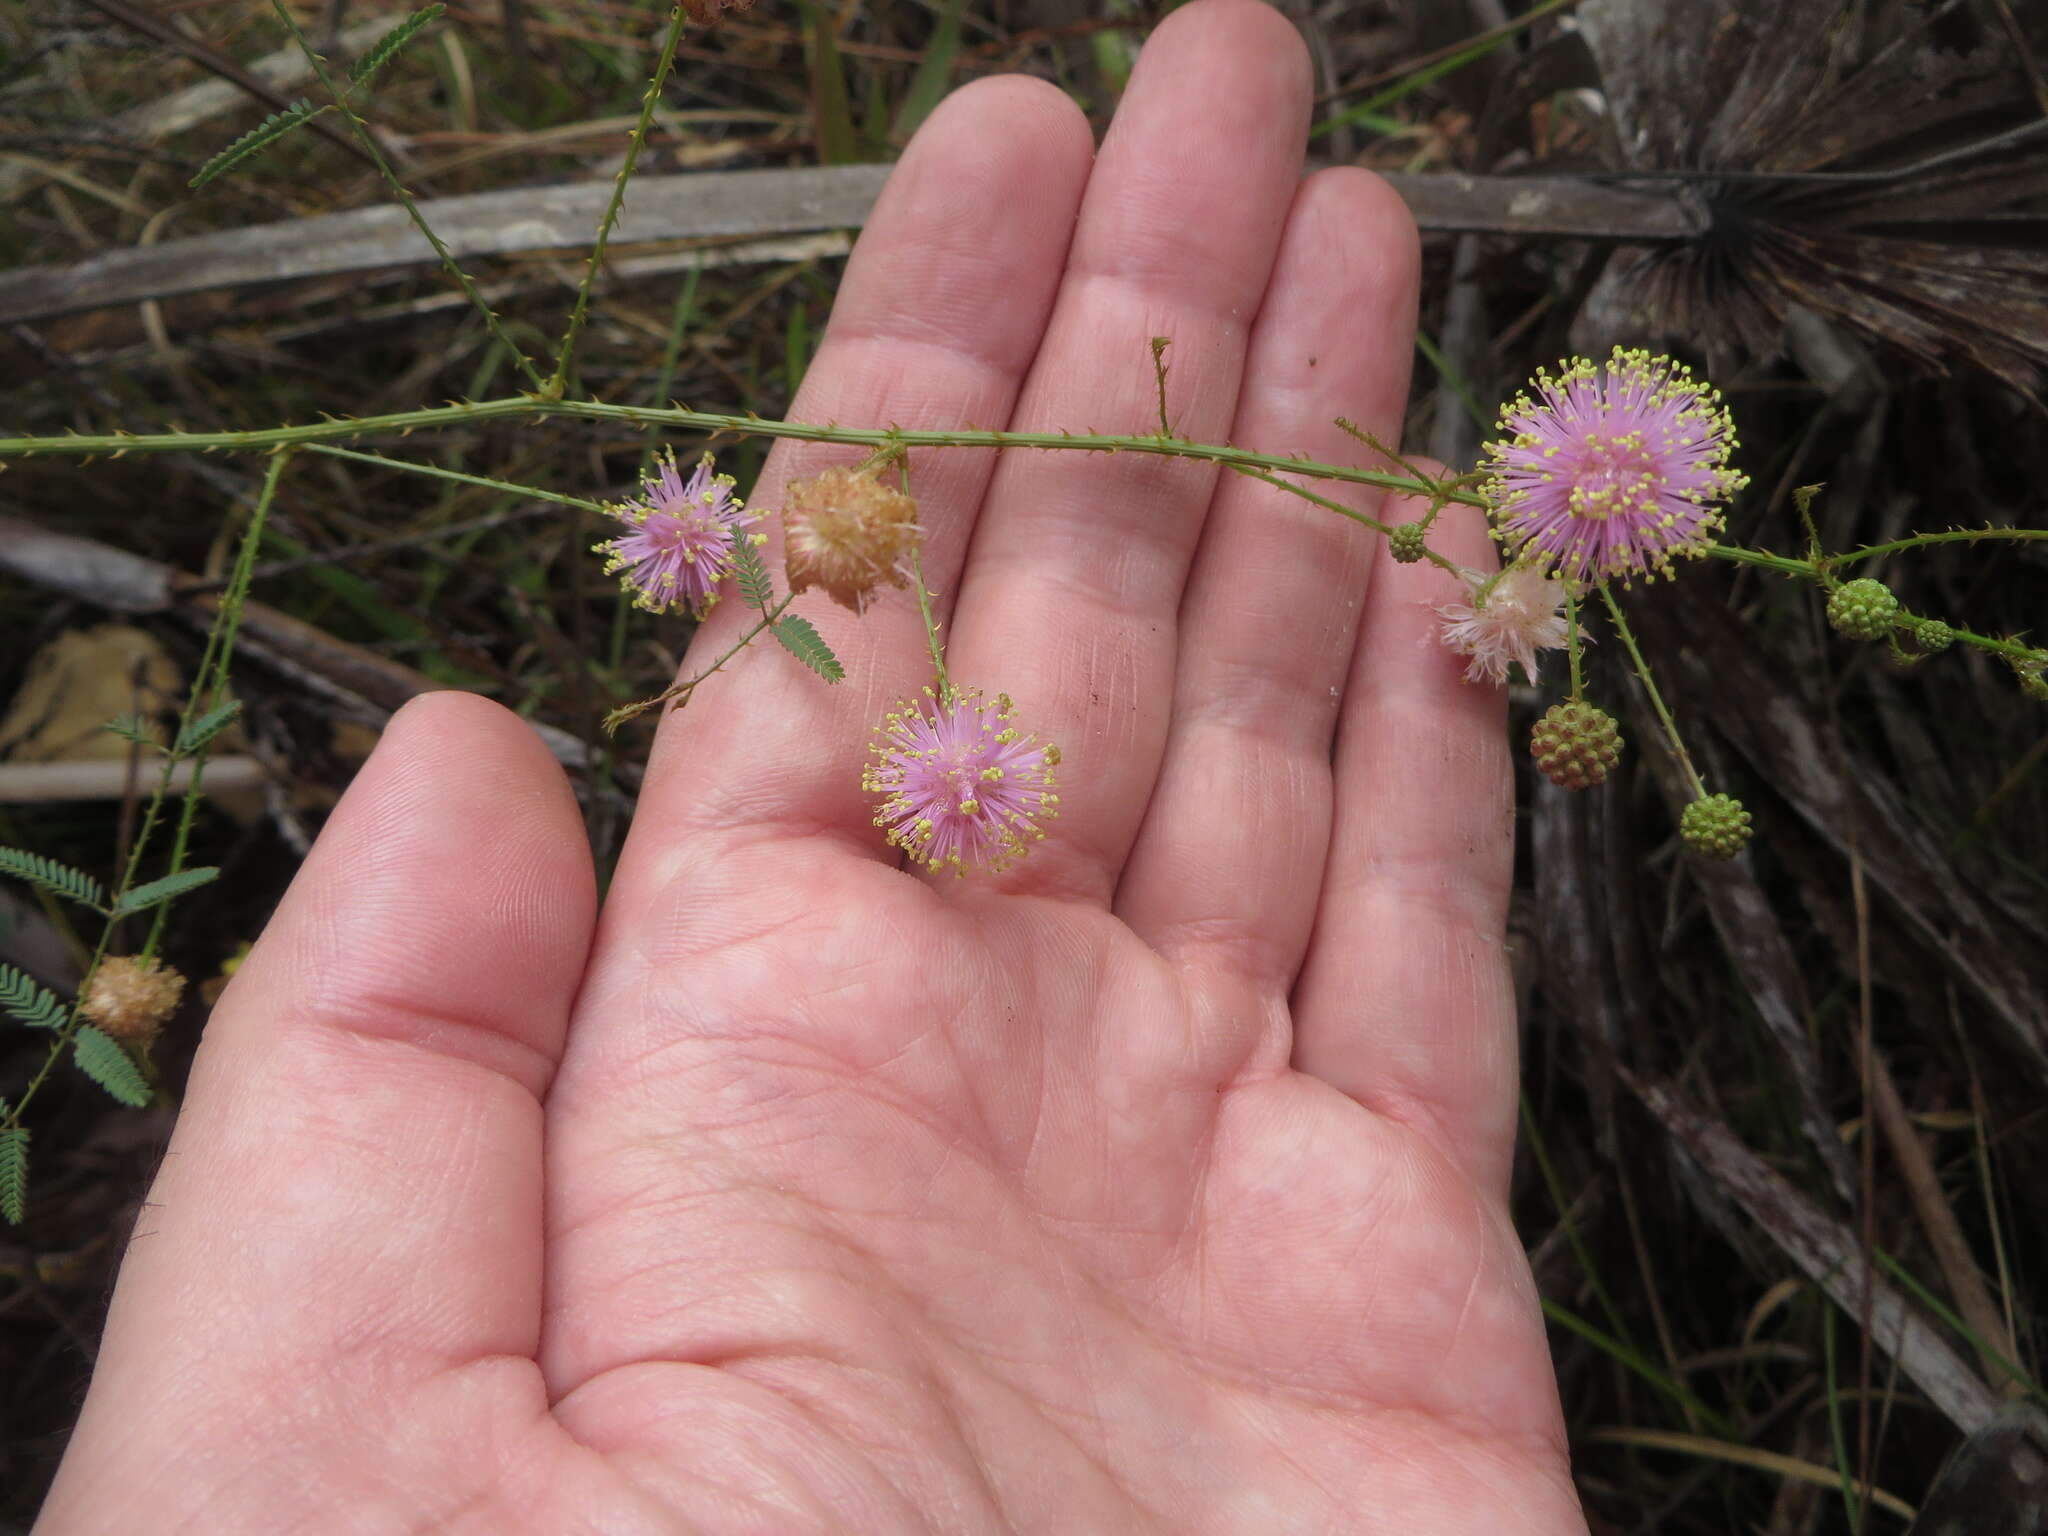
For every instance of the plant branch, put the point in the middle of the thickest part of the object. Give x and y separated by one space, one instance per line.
405 198
555 384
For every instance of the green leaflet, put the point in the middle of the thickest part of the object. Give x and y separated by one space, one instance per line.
14 1175
23 1000
143 897
207 726
257 139
62 879
388 47
136 729
753 575
802 640
101 1058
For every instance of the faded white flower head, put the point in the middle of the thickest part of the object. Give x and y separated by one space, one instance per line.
848 533
1511 620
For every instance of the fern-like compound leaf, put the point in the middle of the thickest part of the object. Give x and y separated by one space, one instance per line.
753 575
100 1057
256 140
143 897
61 879
14 1175
208 726
392 43
134 728
22 1000
802 640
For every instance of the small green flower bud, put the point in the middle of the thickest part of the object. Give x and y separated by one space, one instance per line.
1933 635
1574 744
2033 675
1863 609
1715 825
1405 542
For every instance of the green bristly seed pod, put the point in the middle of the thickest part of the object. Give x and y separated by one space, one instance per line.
1933 635
1863 609
1574 744
1715 825
1405 542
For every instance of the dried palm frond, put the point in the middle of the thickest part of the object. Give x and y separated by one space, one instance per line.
1892 177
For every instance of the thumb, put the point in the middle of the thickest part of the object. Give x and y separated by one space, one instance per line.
351 1203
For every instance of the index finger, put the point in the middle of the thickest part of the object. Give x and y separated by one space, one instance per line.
936 323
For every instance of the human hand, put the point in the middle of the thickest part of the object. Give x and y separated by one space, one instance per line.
1157 1184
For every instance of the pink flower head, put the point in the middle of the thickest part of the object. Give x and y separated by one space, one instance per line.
1614 469
679 540
1512 621
960 786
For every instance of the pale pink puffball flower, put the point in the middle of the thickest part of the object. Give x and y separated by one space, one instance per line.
1611 468
1512 621
960 785
680 539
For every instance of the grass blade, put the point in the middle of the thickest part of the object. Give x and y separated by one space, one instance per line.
934 73
831 108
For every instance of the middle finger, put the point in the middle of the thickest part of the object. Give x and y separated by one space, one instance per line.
1072 587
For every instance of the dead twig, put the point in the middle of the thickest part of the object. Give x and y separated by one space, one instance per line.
717 205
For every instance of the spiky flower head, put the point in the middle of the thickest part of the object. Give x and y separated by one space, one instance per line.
1863 609
1510 618
680 537
960 785
848 533
130 998
1407 542
1575 743
1611 468
1715 825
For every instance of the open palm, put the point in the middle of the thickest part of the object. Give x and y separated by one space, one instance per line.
1157 1184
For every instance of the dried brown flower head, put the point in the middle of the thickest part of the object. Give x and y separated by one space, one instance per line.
130 997
706 12
848 533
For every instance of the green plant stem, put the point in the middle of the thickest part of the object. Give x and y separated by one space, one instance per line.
1836 1433
1649 683
405 199
1338 507
681 691
638 139
931 625
888 440
210 687
1637 1363
885 443
1571 629
436 472
1921 540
